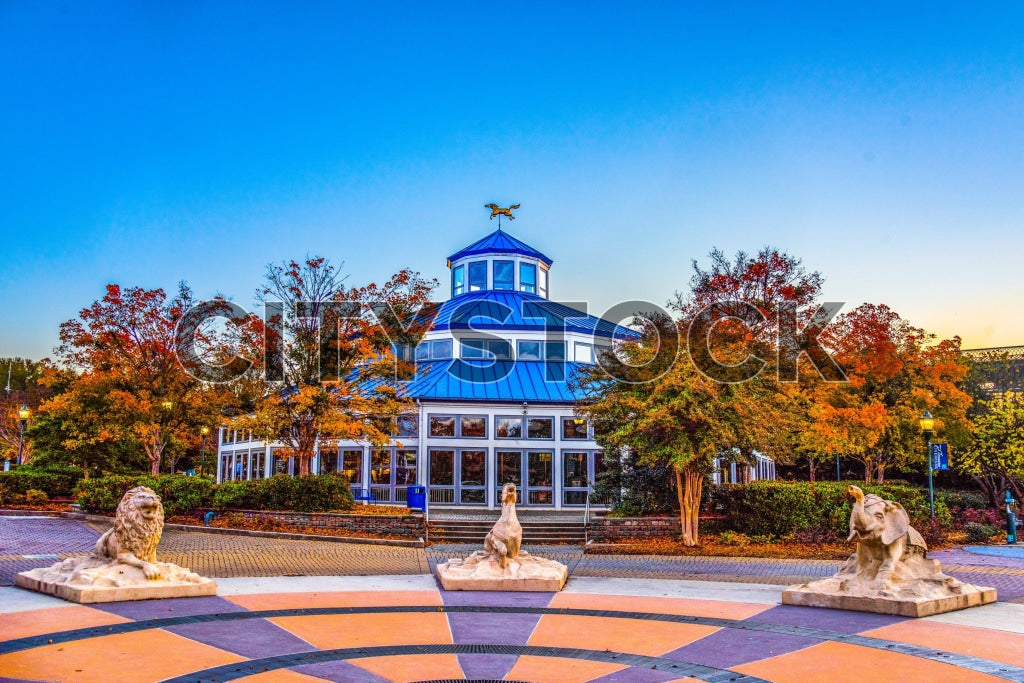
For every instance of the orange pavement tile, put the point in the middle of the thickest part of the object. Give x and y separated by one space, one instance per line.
356 630
40 621
559 670
720 609
137 657
997 646
406 668
618 635
841 662
335 599
279 676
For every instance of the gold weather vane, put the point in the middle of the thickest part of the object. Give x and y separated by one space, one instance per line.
499 212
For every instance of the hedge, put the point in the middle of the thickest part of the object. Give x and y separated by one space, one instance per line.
56 482
819 510
182 495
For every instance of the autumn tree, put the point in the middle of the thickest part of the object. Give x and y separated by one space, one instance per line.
651 399
754 320
132 384
895 372
994 456
330 372
20 385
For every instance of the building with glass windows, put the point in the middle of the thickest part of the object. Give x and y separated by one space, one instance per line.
493 396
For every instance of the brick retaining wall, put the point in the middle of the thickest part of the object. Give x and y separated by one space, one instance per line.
612 529
410 526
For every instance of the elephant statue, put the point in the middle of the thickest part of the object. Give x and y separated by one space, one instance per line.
883 534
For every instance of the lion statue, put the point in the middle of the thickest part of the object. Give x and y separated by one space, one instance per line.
138 524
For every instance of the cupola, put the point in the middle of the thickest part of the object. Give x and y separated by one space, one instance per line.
499 261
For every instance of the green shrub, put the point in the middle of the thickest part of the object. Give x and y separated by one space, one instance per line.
819 510
55 481
36 497
183 495
957 501
738 539
102 494
979 533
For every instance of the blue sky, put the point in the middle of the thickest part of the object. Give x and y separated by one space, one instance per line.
147 143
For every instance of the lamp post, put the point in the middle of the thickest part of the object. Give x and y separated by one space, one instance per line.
202 450
927 427
23 415
838 478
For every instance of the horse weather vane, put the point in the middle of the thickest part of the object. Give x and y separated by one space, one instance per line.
499 212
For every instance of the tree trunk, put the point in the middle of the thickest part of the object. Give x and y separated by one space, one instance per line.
880 473
154 451
869 468
810 468
304 465
689 483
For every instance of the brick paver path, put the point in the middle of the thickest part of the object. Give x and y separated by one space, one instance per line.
36 542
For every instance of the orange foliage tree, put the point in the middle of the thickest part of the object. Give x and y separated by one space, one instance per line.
896 371
131 383
330 373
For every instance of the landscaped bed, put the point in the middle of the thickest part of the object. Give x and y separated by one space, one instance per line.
234 520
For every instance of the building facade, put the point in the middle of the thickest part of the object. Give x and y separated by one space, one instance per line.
493 396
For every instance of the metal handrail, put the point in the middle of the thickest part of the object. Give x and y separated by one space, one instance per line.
586 519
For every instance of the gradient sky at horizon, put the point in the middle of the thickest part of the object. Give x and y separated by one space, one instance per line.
148 143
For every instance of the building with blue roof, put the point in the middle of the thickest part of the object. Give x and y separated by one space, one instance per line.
493 394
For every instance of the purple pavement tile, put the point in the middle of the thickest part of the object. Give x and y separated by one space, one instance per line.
841 621
486 667
44 535
497 629
339 672
5 679
730 647
169 607
252 638
635 674
497 598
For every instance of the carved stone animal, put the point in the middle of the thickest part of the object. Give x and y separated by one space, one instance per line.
138 524
503 540
883 534
498 211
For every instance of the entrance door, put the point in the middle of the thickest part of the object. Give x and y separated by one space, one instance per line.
472 477
510 471
539 478
532 474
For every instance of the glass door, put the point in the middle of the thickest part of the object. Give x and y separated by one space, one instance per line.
510 471
472 477
441 471
539 480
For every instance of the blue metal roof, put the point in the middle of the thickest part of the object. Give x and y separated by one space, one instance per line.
500 242
510 311
484 380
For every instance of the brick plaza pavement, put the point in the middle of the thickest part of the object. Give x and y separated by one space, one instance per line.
30 542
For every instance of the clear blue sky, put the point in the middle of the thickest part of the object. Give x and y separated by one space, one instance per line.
146 143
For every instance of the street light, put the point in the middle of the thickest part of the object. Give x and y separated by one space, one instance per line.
928 427
23 415
202 452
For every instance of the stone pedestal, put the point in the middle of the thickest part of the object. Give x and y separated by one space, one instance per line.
90 579
522 573
810 596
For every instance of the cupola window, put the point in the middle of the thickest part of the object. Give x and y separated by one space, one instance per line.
477 276
528 278
458 280
504 275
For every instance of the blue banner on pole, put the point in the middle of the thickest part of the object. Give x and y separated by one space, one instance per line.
940 456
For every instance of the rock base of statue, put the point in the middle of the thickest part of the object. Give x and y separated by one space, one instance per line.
917 588
481 572
91 579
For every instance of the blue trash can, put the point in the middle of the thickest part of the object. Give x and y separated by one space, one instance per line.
416 497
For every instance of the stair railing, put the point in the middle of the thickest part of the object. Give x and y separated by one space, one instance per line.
586 520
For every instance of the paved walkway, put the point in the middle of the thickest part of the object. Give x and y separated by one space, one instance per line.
605 626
